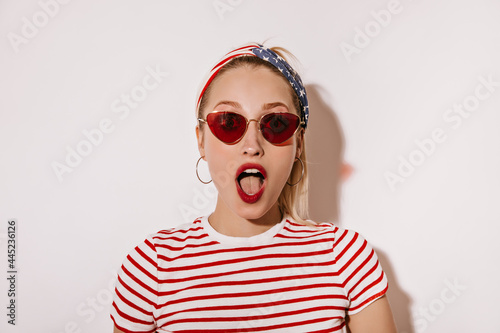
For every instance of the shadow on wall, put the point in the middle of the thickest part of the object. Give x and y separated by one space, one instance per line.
325 144
325 150
399 299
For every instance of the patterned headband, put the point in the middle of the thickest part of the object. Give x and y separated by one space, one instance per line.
274 59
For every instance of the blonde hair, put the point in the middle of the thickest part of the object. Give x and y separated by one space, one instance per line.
292 200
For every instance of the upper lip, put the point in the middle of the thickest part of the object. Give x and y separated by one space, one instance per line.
251 166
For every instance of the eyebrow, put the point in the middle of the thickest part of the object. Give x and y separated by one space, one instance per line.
266 106
235 105
269 106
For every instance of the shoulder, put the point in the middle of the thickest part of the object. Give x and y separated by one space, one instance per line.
166 238
174 241
349 239
347 244
307 229
180 233
350 247
341 237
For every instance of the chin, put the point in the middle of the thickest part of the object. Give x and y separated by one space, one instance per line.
251 213
255 210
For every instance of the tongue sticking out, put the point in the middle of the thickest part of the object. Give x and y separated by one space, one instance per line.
251 184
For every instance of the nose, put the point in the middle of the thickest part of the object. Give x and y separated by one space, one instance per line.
252 140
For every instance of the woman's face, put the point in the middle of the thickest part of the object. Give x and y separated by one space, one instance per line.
251 92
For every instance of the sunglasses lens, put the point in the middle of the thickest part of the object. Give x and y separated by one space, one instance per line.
279 127
228 127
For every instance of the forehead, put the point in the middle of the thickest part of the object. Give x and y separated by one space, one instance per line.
250 86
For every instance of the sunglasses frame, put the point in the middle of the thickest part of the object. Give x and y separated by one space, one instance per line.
301 124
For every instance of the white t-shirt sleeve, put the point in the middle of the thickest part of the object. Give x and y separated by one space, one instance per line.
364 281
136 291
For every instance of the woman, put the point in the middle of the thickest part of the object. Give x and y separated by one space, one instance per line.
255 263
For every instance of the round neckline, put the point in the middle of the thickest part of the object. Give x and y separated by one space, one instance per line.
258 239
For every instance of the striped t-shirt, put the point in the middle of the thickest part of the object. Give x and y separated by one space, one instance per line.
291 278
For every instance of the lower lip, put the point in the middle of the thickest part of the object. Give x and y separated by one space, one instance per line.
250 198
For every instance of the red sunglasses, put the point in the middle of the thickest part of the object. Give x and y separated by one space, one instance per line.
230 127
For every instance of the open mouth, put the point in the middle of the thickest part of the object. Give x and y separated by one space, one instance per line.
250 182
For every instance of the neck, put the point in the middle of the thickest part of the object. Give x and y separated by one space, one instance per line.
227 222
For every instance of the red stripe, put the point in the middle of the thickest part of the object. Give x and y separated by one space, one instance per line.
358 268
314 233
368 287
139 282
173 248
128 331
263 328
249 46
254 281
242 271
333 329
173 238
347 247
302 226
174 230
371 270
344 234
149 244
205 88
249 293
132 305
241 260
242 249
368 300
134 292
222 62
354 256
253 318
144 271
259 305
130 318
147 258
302 230
233 55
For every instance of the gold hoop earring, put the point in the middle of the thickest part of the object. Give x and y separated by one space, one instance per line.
197 175
302 175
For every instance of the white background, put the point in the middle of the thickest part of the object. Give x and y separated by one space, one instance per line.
435 233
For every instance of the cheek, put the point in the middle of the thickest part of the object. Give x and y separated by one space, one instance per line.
221 164
282 163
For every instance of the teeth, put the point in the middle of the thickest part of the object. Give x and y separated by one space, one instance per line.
251 171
